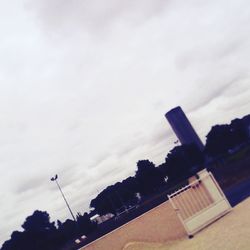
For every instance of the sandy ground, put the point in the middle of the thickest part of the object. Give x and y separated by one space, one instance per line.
231 232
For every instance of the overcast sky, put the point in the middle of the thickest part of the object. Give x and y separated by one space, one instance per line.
85 84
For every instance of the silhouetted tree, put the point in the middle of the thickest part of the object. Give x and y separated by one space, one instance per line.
240 131
181 162
219 140
39 233
104 202
128 191
16 242
149 178
116 197
39 221
84 225
68 229
222 138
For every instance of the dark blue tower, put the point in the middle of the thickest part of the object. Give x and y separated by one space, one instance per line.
183 128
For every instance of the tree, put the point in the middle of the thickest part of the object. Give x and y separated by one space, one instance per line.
16 242
105 202
182 162
84 225
239 130
128 191
149 178
39 233
38 222
116 197
68 230
219 140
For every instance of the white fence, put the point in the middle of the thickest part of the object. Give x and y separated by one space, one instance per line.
199 203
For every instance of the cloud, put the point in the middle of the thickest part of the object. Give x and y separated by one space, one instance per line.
85 86
29 184
222 88
92 15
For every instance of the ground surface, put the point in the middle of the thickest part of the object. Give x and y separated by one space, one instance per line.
231 232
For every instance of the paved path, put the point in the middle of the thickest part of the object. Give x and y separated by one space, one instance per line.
231 232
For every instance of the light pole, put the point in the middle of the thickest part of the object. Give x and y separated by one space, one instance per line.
55 179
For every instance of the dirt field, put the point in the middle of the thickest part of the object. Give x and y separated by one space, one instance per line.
160 224
228 233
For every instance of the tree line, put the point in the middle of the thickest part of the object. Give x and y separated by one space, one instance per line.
181 162
40 234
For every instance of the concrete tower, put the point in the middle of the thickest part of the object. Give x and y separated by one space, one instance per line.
183 128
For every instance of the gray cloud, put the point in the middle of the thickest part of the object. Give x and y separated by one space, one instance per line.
29 184
222 88
93 15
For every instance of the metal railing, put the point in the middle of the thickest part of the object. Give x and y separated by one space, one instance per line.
191 199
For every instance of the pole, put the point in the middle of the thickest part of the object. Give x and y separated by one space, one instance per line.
55 179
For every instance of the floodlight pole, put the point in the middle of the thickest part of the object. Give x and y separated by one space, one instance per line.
55 179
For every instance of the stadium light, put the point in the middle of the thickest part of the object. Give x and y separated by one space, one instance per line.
55 179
